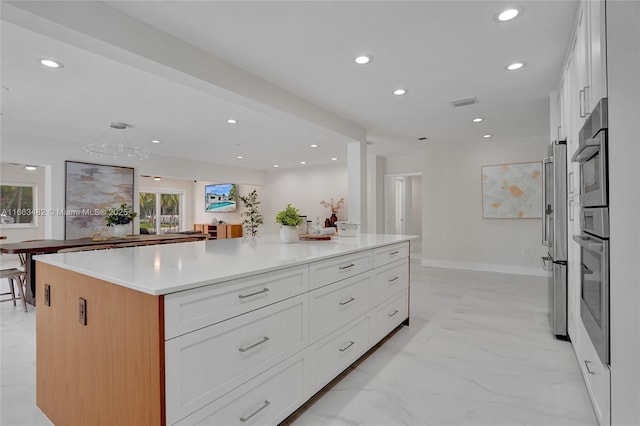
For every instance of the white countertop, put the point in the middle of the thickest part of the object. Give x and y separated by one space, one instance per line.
167 268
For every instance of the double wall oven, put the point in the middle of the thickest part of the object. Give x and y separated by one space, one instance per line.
594 229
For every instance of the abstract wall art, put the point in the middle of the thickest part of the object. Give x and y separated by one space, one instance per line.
512 191
90 190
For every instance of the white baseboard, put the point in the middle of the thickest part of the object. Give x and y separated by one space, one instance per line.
485 267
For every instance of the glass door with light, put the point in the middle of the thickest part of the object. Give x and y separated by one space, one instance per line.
161 212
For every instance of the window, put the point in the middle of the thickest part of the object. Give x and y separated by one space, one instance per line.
169 204
18 205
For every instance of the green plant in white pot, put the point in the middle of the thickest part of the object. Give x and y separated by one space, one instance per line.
290 220
119 218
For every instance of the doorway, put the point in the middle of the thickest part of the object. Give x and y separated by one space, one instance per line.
403 207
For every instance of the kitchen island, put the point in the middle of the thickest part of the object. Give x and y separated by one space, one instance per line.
237 331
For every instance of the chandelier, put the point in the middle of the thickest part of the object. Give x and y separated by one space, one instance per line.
123 150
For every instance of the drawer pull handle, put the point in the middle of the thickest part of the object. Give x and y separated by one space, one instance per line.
349 300
264 340
586 364
351 265
351 343
244 296
265 405
395 311
394 279
393 253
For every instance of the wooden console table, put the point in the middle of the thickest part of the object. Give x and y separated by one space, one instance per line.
219 231
32 248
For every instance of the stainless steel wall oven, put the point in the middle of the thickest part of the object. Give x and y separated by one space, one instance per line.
592 155
594 229
594 277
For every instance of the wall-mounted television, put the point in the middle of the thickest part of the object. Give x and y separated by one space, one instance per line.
220 198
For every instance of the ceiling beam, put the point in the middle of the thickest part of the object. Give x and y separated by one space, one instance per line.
104 30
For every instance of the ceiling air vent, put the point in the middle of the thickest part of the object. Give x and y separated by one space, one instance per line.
464 102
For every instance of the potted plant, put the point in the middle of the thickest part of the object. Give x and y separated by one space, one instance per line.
290 219
252 217
119 219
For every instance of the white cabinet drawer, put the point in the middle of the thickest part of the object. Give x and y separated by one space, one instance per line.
330 356
388 254
390 279
190 310
389 315
332 305
596 376
203 365
265 400
331 270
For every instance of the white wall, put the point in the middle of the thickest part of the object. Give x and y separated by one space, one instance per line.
623 75
15 174
416 208
404 164
304 187
375 194
378 183
42 150
454 234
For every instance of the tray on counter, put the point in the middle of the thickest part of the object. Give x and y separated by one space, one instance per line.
311 237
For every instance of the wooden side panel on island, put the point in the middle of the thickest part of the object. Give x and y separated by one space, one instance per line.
109 371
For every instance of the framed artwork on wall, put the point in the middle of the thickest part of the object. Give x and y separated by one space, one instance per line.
512 191
91 189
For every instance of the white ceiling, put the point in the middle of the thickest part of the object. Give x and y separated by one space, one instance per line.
439 50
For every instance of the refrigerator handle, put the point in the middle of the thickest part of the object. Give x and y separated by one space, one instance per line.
545 214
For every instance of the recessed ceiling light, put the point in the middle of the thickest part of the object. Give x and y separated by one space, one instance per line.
50 63
477 120
30 168
303 162
239 157
155 141
157 178
314 145
508 14
363 59
334 158
486 136
232 121
399 92
276 166
515 66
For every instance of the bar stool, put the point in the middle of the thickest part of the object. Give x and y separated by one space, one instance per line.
14 276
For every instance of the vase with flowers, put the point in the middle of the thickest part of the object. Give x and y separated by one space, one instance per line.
334 207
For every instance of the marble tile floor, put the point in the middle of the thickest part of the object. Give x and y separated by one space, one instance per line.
478 352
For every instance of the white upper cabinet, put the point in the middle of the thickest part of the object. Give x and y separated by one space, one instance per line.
597 53
581 61
590 57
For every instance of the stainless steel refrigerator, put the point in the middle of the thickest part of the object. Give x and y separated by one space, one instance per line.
554 232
